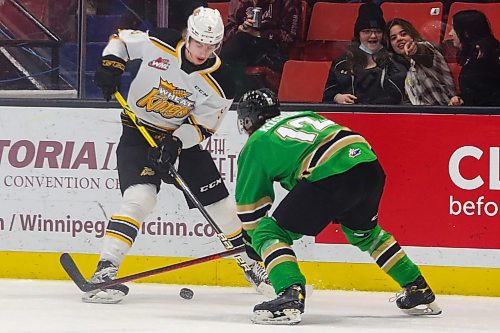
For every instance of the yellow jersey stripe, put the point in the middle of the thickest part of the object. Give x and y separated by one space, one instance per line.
126 219
165 47
119 237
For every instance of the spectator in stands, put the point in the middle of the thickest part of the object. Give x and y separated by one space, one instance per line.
429 80
247 44
479 56
367 73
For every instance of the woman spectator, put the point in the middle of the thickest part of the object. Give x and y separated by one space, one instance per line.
429 80
479 56
367 73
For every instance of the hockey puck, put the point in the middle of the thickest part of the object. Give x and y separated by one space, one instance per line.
186 293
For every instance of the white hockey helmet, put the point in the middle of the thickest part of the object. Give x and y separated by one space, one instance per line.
205 25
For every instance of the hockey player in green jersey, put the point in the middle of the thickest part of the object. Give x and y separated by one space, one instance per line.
332 174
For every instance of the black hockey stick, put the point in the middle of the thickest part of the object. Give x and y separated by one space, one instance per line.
178 179
74 273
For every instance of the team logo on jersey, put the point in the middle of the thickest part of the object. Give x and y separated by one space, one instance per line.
353 152
167 100
147 171
160 63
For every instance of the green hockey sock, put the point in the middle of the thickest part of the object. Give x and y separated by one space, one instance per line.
386 252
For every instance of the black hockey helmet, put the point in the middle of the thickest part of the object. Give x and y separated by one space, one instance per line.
255 107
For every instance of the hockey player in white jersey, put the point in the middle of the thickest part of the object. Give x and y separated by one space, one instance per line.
181 93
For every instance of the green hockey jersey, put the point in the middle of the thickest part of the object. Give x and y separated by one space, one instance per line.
287 149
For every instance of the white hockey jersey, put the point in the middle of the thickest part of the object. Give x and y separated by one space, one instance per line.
169 93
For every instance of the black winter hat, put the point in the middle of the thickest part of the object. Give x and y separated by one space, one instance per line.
369 16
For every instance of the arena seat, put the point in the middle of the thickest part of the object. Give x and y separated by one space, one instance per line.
303 81
491 10
222 7
331 29
426 17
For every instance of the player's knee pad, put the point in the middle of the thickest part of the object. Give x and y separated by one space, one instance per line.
366 240
138 201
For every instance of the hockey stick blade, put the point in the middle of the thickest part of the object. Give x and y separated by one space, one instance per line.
70 267
74 273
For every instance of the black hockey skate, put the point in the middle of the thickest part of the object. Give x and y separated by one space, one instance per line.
105 271
259 279
286 309
417 298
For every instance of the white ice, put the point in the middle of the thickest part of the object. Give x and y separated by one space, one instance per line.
55 307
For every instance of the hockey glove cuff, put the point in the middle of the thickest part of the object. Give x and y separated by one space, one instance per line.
108 75
169 148
167 152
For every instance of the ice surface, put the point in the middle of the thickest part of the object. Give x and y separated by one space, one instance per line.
55 307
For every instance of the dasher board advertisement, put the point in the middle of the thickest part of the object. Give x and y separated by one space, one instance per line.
59 185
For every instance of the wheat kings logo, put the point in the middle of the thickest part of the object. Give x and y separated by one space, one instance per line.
167 100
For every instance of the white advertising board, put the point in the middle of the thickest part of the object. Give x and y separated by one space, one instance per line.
59 184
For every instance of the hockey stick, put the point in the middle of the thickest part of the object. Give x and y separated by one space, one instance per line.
74 273
178 179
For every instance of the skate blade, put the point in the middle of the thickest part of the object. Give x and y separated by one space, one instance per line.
289 317
431 309
109 296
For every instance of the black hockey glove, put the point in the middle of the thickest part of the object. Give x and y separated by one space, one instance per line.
108 76
167 152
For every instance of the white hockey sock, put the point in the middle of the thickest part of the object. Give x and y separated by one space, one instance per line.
224 214
123 227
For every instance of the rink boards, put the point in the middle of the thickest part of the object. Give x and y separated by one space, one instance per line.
58 186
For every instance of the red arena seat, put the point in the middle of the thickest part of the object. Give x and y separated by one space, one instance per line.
303 81
222 7
331 29
426 17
